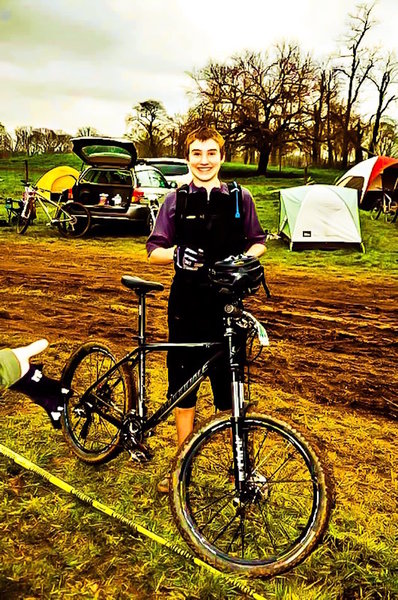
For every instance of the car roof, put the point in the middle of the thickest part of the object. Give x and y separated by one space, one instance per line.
164 159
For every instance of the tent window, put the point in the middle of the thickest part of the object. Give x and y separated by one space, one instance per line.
355 183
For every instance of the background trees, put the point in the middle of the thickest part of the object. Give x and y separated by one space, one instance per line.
149 127
278 105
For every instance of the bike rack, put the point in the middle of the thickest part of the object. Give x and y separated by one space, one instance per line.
66 487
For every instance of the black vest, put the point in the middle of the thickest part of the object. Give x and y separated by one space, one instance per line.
214 224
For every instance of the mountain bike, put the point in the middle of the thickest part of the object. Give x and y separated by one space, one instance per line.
71 218
387 206
249 493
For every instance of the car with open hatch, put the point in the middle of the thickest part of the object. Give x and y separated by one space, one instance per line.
114 185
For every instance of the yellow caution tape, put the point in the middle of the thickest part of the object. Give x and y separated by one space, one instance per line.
27 464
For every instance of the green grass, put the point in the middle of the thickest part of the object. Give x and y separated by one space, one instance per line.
54 547
380 238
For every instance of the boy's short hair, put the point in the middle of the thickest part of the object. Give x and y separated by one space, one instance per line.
202 134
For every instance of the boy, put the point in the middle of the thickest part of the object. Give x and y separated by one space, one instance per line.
197 226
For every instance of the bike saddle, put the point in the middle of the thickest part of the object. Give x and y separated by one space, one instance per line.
140 286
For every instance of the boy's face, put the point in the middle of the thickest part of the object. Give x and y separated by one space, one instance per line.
205 160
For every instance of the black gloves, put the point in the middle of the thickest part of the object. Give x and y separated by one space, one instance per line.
188 258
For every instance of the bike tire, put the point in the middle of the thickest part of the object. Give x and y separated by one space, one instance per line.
390 216
288 502
375 212
23 223
150 224
73 228
84 419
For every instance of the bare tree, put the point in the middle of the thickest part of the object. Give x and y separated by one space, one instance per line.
23 136
360 63
388 138
324 117
87 131
386 77
257 101
149 126
6 142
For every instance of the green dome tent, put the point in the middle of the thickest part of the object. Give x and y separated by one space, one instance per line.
320 216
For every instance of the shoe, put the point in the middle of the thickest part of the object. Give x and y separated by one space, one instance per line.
164 485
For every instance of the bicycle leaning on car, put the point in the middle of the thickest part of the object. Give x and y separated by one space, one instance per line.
249 493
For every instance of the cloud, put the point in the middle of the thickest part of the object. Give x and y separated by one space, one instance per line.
65 55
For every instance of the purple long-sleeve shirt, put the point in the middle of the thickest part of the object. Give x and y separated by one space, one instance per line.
163 234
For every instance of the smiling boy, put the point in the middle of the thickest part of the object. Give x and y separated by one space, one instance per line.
196 226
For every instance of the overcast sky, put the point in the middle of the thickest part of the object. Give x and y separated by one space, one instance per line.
71 63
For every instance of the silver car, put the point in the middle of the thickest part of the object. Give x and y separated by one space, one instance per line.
175 170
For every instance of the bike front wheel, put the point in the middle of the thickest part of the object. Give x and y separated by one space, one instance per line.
23 222
93 415
275 521
73 220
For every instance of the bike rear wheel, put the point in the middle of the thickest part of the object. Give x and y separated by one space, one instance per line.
74 220
91 421
282 513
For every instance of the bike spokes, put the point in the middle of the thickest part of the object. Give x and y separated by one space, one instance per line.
94 415
264 520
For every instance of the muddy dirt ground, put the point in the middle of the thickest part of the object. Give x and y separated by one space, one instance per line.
334 337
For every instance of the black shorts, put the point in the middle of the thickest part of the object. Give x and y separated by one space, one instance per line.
195 314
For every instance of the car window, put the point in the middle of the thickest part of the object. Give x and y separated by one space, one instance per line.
90 176
121 177
150 178
172 169
103 176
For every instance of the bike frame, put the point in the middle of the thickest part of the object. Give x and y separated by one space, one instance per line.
34 197
137 357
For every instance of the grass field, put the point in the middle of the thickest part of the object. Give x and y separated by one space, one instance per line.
55 547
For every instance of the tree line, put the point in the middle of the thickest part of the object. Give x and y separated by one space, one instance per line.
270 106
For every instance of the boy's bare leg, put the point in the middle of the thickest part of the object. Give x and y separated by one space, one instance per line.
184 422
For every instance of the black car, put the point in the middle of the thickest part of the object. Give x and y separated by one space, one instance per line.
114 186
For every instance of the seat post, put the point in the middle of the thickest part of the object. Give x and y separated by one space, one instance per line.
141 355
141 318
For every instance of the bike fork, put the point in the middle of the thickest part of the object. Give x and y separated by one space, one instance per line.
238 439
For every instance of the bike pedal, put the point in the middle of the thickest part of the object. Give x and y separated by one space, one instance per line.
138 456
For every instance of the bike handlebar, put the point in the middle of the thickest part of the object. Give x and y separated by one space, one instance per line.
237 313
35 188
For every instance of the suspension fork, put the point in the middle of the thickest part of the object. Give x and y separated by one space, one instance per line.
239 442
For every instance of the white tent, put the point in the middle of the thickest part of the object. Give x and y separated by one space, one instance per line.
321 215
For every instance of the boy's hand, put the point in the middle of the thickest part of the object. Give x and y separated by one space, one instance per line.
188 258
